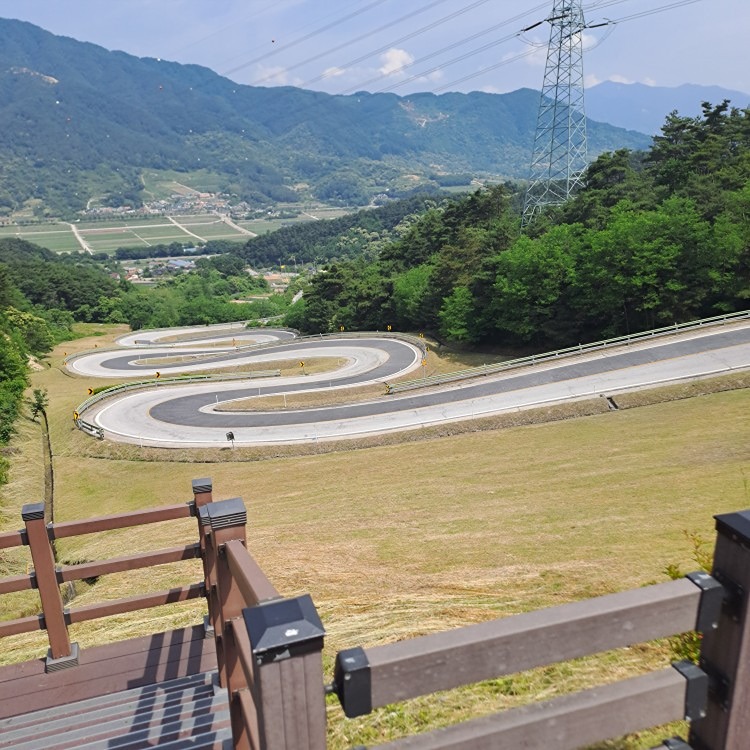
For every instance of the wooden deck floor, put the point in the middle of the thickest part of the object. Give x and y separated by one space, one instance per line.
103 670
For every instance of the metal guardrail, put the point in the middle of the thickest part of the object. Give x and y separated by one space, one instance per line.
473 372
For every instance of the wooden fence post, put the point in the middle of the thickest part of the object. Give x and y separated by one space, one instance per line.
212 593
202 496
227 519
725 652
286 636
61 653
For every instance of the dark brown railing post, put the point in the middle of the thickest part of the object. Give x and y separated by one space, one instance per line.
202 496
212 594
227 519
725 652
286 636
61 653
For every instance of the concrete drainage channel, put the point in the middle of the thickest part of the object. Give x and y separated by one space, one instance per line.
612 404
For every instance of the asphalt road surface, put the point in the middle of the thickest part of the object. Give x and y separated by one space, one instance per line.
186 415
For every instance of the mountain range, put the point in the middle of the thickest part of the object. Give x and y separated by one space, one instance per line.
635 106
81 123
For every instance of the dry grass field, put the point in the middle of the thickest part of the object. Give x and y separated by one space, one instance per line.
421 532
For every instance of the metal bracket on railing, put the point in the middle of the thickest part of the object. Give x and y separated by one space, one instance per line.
352 683
712 599
62 662
696 691
282 628
675 743
718 683
734 596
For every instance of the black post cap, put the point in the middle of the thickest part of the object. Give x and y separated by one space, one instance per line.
201 486
735 526
352 682
226 513
282 628
32 511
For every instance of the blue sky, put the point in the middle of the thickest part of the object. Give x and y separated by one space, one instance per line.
341 46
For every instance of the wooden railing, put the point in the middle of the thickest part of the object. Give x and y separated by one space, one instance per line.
269 649
272 663
47 576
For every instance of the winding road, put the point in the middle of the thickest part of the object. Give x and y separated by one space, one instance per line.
187 415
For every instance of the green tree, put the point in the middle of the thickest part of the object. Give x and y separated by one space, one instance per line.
39 403
32 328
456 315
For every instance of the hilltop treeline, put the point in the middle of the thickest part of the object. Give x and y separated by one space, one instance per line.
653 238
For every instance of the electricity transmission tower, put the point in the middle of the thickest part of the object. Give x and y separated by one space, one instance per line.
559 157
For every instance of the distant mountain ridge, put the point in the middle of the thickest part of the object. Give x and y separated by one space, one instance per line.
78 122
635 106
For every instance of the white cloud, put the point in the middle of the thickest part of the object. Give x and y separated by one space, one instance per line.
394 60
333 72
589 41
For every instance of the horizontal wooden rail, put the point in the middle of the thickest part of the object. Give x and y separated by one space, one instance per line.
120 521
568 722
66 529
128 562
10 539
17 583
133 603
22 625
442 661
251 580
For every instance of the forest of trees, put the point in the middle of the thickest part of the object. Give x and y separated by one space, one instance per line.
353 235
654 238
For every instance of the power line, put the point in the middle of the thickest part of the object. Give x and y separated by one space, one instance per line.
400 40
449 47
489 68
388 25
304 38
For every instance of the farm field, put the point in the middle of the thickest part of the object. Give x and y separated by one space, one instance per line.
109 235
57 237
421 535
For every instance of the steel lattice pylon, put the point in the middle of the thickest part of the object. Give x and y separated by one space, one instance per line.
559 157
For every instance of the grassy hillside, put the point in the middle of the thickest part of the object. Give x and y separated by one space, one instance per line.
466 528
